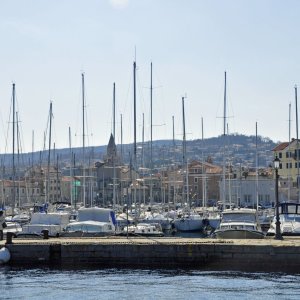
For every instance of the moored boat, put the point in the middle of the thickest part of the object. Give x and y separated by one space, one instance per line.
92 221
289 216
189 222
54 222
239 223
144 229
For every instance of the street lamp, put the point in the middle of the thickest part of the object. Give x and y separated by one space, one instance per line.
278 235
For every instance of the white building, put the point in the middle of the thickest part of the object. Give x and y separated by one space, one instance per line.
247 192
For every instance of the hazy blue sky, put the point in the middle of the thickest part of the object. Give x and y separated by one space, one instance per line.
46 44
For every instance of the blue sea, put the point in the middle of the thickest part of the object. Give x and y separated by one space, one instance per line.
45 283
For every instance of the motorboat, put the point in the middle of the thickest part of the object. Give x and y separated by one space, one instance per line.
54 222
92 221
289 216
13 227
143 229
239 223
265 218
88 229
22 218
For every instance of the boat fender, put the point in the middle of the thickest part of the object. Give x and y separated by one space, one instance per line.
4 255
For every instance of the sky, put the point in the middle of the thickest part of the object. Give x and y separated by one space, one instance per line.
46 45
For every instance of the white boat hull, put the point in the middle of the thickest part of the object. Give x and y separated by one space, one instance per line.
188 225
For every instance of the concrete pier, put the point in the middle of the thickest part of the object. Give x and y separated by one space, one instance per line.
204 254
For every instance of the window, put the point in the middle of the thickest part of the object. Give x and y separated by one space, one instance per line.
289 165
280 166
195 179
196 187
280 154
247 198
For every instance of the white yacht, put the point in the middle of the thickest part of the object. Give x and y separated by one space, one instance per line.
144 229
88 229
92 221
289 214
239 223
13 227
54 222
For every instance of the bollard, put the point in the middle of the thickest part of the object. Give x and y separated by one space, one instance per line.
45 233
9 236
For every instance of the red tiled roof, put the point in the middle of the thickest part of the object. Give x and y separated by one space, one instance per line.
281 146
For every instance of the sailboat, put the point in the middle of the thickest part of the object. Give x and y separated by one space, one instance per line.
236 223
188 220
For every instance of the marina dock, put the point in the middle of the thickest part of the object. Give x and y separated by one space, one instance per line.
134 252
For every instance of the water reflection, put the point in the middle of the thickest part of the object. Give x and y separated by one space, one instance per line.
47 283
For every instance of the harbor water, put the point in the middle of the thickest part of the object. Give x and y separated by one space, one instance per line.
45 283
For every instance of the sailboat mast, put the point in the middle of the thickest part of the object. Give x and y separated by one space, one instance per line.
151 136
256 167
134 120
224 137
75 186
134 111
18 159
203 168
49 153
114 154
174 192
83 140
143 144
151 124
289 175
184 162
13 144
58 191
114 110
121 138
298 152
32 151
71 173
